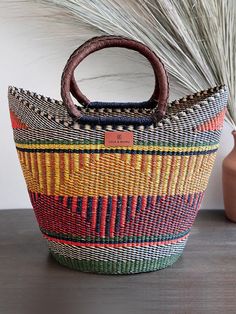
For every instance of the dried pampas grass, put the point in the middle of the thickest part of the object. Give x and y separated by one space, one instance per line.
196 39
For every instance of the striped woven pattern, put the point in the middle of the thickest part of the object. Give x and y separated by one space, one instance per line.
116 210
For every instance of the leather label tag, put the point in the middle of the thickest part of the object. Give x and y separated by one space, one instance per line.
117 138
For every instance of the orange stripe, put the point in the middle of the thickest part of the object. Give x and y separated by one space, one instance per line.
16 122
214 123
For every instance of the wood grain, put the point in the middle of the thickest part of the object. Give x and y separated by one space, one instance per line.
202 281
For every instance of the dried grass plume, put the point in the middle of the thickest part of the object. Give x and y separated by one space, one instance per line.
196 39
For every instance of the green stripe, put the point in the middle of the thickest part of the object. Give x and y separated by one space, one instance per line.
115 240
120 267
141 143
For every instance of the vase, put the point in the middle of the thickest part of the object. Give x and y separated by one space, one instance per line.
229 182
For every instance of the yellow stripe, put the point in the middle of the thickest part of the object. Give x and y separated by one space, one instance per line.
134 147
49 171
57 177
111 175
41 166
66 169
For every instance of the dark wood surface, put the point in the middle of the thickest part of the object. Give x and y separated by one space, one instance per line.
203 280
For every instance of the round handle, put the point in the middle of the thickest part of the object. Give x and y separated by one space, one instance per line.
161 91
74 89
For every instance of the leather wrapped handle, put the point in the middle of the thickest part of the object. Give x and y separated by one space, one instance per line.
159 97
74 89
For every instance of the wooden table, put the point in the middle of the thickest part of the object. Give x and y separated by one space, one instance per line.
202 281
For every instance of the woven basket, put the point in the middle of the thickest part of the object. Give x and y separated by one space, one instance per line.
116 186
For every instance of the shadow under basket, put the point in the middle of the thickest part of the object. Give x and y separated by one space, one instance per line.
116 187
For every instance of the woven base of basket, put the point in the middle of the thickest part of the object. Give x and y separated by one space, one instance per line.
117 260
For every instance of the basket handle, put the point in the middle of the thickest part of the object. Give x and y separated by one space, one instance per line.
74 89
161 90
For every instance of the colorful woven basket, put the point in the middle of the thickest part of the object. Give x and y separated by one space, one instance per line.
116 186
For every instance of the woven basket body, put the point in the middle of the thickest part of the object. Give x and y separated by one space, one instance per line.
116 209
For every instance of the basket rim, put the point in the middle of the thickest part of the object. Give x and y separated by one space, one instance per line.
209 95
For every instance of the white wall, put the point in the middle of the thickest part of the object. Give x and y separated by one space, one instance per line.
33 57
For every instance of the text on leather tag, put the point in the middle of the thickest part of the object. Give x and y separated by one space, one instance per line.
117 138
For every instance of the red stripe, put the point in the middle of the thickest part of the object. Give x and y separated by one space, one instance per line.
55 217
71 162
81 160
94 212
153 202
113 216
74 204
153 165
134 206
62 166
103 216
160 243
133 160
144 202
143 163
84 206
123 211
65 201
